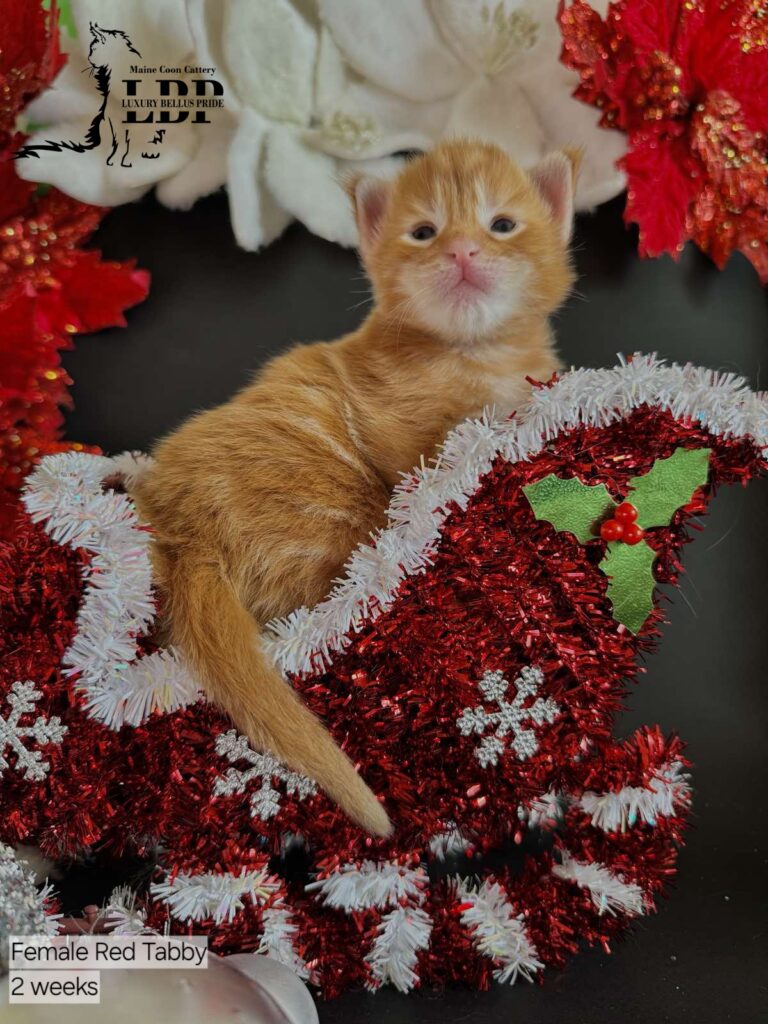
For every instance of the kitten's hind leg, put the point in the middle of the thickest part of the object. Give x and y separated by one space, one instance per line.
127 147
112 152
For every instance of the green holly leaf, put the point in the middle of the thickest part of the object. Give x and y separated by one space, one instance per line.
569 505
668 485
630 590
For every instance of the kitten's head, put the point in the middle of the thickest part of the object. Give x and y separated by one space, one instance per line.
463 242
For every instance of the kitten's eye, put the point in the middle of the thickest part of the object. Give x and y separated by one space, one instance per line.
503 225
423 232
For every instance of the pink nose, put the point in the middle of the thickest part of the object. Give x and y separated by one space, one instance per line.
462 250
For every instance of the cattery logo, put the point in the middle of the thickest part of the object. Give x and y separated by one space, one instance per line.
138 104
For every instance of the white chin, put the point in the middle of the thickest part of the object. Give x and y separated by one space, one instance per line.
462 317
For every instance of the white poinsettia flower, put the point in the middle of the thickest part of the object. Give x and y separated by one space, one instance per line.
86 149
269 56
311 88
414 71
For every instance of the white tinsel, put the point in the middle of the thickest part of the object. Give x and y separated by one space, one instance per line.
66 494
121 916
393 957
498 932
449 842
371 885
278 939
664 796
722 403
546 811
24 909
610 893
212 895
403 930
130 467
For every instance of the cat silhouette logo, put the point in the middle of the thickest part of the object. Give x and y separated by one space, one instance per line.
136 103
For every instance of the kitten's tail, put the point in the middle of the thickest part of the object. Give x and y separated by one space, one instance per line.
223 644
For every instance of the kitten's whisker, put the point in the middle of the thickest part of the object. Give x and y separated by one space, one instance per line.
399 313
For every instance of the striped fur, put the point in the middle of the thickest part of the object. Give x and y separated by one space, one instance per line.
257 504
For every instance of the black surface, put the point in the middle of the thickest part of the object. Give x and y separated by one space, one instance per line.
215 313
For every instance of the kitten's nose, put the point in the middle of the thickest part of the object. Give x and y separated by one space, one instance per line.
462 250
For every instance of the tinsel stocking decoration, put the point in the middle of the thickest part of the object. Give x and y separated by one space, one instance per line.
471 661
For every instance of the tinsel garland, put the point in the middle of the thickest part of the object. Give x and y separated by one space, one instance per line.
489 592
686 80
50 288
24 909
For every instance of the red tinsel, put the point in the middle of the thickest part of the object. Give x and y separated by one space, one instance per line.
505 591
686 80
50 288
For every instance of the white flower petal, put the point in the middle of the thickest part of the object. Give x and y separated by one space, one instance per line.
84 178
369 123
206 21
379 167
270 52
305 182
357 120
352 137
396 45
567 121
331 78
157 29
206 170
70 95
488 34
87 177
256 217
497 110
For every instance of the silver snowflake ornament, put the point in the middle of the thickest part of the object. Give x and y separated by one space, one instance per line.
510 716
265 801
43 731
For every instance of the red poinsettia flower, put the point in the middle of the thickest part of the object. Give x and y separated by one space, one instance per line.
30 55
687 80
50 288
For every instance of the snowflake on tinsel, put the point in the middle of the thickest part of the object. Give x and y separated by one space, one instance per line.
265 801
13 734
50 288
510 717
687 81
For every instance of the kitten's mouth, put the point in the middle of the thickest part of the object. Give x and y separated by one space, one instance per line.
467 284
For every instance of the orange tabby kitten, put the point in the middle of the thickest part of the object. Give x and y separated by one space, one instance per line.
257 504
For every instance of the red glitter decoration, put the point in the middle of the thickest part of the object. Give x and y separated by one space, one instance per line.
50 288
687 82
504 592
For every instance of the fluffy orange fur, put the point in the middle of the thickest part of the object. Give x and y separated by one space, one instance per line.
257 504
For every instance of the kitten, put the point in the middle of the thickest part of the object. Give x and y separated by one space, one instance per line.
257 504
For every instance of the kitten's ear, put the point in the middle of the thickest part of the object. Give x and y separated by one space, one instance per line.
555 180
370 198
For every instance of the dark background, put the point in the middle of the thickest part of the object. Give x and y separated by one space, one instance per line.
215 313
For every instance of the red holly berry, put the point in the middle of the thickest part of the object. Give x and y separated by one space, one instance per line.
626 512
612 530
633 533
